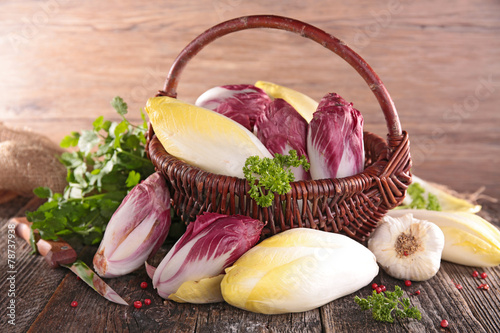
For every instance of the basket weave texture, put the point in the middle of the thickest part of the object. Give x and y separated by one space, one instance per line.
351 205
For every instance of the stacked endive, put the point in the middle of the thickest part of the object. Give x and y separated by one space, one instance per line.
229 124
297 270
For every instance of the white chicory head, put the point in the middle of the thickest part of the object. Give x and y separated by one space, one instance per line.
298 270
335 139
136 230
210 244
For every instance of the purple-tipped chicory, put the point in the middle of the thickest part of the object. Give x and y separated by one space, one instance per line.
243 103
335 139
283 129
136 230
209 245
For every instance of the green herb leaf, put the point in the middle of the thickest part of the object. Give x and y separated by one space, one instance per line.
418 201
133 178
43 192
267 176
98 123
387 305
119 105
111 159
87 141
70 140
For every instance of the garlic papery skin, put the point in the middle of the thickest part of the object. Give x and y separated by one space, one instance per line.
407 248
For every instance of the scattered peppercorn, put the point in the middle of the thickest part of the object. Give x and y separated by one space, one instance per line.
484 275
147 301
378 290
407 283
417 292
138 304
383 288
475 274
144 285
483 286
444 323
74 304
374 286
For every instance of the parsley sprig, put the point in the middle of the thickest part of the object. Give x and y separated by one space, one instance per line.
418 200
271 175
110 160
386 304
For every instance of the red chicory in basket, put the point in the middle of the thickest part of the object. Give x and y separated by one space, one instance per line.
335 139
209 245
243 103
283 129
136 230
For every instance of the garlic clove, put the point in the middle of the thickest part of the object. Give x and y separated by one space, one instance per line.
407 248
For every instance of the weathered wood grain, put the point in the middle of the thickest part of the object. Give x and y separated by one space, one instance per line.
34 280
44 295
63 61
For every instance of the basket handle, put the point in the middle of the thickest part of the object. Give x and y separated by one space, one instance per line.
306 30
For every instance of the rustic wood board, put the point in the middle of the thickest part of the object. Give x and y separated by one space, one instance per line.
44 295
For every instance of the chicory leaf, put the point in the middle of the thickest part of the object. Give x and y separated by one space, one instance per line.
284 129
243 103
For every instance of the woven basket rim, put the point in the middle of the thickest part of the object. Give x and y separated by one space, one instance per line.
368 171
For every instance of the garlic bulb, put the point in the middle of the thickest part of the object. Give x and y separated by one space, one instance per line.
407 248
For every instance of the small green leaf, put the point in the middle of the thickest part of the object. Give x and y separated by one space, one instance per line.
121 128
98 123
43 192
70 140
106 125
119 105
133 178
87 141
432 203
418 201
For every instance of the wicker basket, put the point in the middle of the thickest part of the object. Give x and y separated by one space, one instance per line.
351 205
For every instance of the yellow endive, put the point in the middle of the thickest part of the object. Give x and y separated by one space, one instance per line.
469 239
199 292
203 138
304 104
447 201
298 270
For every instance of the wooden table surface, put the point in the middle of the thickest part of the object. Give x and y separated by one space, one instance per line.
62 61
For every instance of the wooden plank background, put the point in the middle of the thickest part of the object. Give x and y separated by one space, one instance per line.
62 61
